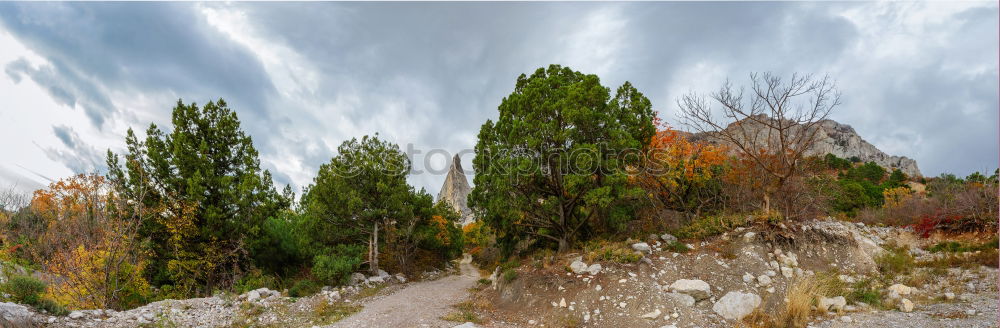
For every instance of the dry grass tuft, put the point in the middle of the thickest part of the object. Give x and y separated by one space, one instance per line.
800 297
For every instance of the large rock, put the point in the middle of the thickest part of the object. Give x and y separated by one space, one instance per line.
578 267
16 314
357 278
696 288
832 303
736 305
455 190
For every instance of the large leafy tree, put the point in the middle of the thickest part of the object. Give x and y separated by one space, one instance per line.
204 175
554 162
357 194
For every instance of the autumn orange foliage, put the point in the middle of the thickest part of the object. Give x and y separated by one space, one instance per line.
677 171
89 245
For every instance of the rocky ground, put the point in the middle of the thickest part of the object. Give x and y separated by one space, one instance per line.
717 282
728 277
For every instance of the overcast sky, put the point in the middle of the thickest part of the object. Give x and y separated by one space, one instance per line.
918 79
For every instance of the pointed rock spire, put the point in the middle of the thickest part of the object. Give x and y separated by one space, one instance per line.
456 189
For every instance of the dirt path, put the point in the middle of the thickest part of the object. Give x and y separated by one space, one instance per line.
420 304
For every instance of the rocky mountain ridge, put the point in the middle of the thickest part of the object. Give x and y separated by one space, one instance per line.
833 138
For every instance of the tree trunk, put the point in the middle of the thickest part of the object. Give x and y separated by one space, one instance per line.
563 245
373 254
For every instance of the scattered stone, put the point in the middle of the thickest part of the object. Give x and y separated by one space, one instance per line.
906 305
949 296
668 238
736 305
846 319
787 272
641 247
357 278
901 289
696 288
747 278
467 325
652 315
76 315
832 304
764 280
749 236
682 299
562 302
578 267
594 269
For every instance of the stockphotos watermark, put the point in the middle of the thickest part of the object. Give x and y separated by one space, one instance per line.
592 159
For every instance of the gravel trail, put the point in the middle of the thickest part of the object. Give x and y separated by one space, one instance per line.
420 304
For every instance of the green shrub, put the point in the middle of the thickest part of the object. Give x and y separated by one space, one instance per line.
303 288
51 307
253 280
677 247
865 291
509 275
25 289
895 261
335 268
617 252
709 226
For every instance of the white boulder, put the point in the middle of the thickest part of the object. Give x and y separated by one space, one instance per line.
736 305
905 305
831 304
578 267
594 269
696 288
641 247
901 289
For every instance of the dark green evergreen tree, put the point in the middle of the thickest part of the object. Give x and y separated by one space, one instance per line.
211 197
554 163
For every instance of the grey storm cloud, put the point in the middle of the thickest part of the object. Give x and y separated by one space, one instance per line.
428 75
76 154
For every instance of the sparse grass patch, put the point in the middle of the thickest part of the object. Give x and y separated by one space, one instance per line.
326 313
370 291
708 226
466 313
617 252
895 261
677 247
866 291
958 247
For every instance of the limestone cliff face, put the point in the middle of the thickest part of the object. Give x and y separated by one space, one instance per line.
838 139
456 189
842 141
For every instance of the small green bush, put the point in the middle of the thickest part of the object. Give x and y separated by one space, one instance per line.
254 280
895 261
336 265
709 226
24 289
509 275
677 247
303 288
51 307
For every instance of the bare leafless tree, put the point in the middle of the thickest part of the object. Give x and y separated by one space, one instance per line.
775 124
